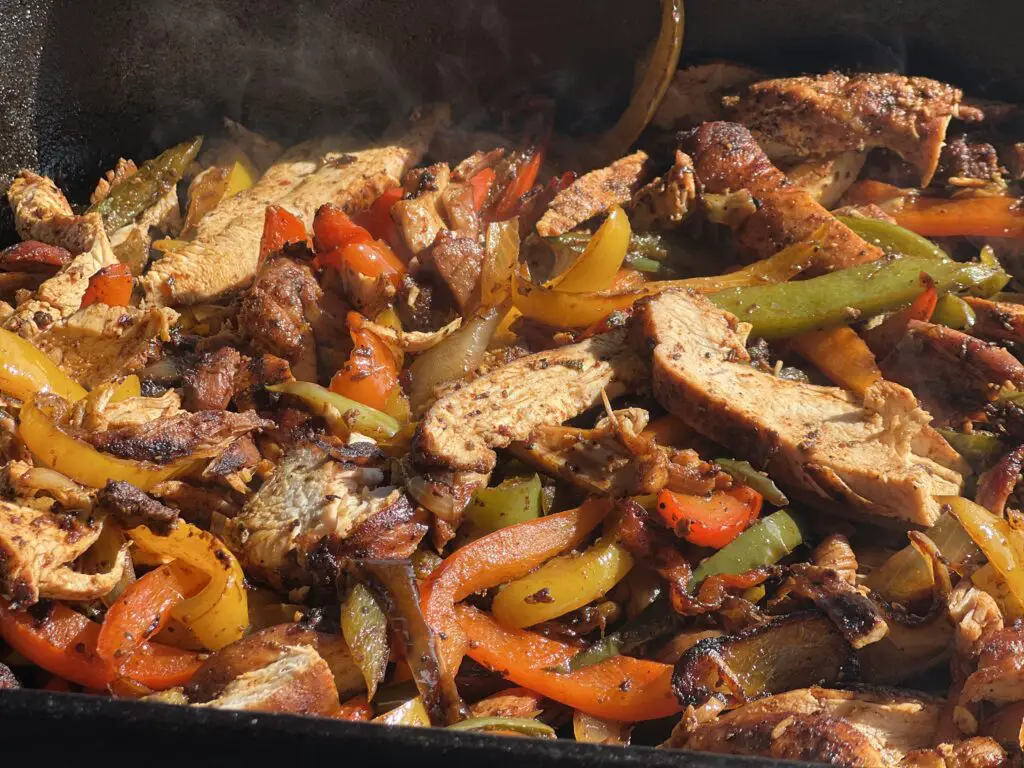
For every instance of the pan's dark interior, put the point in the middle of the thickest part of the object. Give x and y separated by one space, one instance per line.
84 81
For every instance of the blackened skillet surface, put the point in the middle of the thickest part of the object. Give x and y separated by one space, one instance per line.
83 81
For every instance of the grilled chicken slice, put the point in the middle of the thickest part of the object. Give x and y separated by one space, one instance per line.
849 728
308 498
460 430
100 342
223 257
667 201
977 752
419 215
827 179
41 212
279 311
592 194
599 460
821 443
695 94
36 548
999 677
727 159
826 114
298 682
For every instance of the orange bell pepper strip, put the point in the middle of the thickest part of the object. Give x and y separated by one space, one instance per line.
620 688
968 216
521 183
111 286
502 556
143 609
878 192
373 259
370 375
280 228
883 339
356 709
63 643
841 355
713 520
481 182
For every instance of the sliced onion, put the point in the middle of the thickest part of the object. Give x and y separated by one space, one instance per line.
455 357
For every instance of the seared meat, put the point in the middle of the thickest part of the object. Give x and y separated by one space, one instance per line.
131 506
831 113
592 194
695 94
308 498
1000 674
195 505
727 159
966 165
827 179
211 384
255 375
36 547
855 728
997 320
459 210
34 257
223 257
874 456
392 533
599 460
41 212
198 435
978 752
835 553
298 682
260 649
667 201
459 259
278 313
461 429
100 342
8 682
419 214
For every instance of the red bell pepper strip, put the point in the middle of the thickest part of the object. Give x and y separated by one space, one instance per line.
371 373
620 688
481 183
710 521
502 556
377 218
883 339
280 228
143 609
111 286
333 228
521 183
373 259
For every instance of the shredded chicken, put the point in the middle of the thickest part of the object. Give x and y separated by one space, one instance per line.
666 202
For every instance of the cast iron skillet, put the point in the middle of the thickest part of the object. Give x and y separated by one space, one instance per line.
84 81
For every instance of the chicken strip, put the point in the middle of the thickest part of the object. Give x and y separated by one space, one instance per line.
727 159
460 430
827 179
824 444
825 114
41 212
224 255
592 194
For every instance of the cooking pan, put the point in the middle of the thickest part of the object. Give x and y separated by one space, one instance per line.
85 81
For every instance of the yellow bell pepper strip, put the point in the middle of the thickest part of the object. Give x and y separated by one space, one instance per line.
595 269
344 415
502 556
963 217
621 688
954 312
841 355
658 74
562 585
25 371
218 614
515 500
1001 543
411 713
129 386
56 449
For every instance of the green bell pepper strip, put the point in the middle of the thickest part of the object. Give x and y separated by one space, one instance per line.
656 620
786 309
953 312
513 501
744 472
979 449
892 238
765 543
522 725
365 629
130 197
